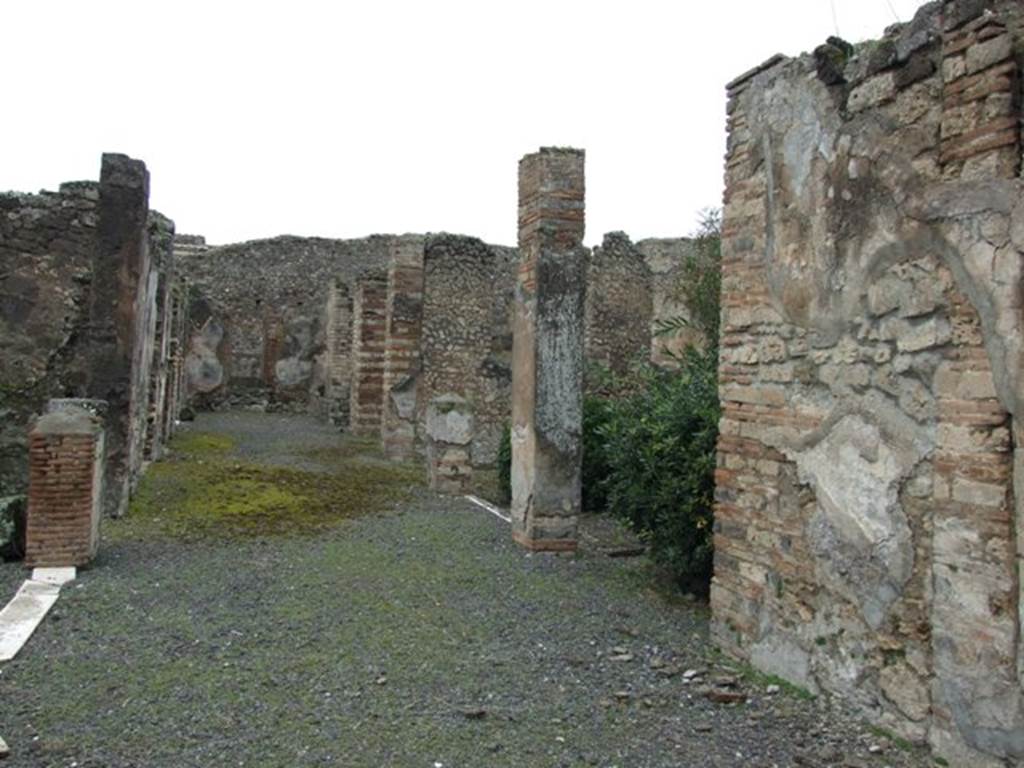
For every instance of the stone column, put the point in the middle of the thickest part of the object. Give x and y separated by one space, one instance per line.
368 336
65 486
402 350
117 369
339 354
161 237
547 357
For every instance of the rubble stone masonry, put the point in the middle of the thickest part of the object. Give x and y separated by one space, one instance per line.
46 249
617 330
871 378
467 289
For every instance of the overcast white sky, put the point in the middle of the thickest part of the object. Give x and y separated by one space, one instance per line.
344 119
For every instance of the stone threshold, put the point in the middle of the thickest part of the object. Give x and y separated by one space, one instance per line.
28 608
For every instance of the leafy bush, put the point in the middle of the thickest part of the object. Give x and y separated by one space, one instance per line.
598 412
654 463
650 441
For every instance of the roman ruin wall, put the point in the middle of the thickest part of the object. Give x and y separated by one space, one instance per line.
664 258
465 348
619 305
46 246
867 522
88 284
258 325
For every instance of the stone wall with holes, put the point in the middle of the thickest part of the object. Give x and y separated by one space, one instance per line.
871 378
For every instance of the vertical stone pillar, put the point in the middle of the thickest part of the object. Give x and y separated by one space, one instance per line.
65 488
402 351
339 354
177 344
368 337
547 356
161 237
117 369
449 444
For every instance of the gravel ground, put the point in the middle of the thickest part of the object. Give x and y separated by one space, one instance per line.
417 635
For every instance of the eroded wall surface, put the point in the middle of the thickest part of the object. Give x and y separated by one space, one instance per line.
871 358
465 347
46 249
86 286
618 305
259 315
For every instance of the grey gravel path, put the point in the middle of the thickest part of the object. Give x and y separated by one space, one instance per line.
417 637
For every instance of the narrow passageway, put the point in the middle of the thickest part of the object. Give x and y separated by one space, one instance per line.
283 596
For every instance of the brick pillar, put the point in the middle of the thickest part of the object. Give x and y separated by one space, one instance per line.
119 284
368 336
402 351
65 488
449 444
547 357
980 95
339 354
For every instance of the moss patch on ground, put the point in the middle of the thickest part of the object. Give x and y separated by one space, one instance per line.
205 490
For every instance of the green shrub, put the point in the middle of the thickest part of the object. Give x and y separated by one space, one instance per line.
598 412
657 460
650 439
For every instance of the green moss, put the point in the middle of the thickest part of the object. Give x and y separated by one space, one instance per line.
201 491
195 444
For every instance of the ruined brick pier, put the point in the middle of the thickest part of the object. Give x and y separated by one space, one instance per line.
868 511
547 368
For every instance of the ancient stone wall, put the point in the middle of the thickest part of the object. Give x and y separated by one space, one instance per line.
664 258
46 250
465 341
871 359
258 315
619 305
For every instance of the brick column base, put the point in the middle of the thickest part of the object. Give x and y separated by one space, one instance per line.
65 489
